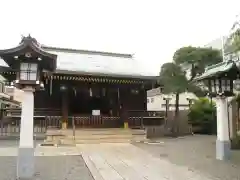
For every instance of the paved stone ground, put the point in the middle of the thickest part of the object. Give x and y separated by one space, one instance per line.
198 153
51 163
49 168
123 161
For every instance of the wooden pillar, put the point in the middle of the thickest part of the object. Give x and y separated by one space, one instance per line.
118 103
123 109
64 110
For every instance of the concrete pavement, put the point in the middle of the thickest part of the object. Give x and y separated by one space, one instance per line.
118 161
126 161
197 152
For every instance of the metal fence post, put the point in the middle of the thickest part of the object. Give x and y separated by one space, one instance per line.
73 126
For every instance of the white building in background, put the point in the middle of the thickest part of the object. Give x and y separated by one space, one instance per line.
14 92
216 43
156 102
8 92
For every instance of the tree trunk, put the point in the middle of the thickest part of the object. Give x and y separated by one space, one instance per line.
176 116
237 124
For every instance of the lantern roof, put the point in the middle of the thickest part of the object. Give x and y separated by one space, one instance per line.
218 69
29 45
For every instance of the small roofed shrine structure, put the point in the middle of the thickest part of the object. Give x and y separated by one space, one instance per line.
221 81
89 85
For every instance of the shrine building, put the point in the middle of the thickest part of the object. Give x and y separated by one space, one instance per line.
85 84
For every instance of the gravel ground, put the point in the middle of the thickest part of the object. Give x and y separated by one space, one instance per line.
49 168
198 153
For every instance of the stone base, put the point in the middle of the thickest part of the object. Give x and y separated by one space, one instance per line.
154 131
25 164
223 150
125 125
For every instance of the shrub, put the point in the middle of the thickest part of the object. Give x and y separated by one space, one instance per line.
235 142
202 114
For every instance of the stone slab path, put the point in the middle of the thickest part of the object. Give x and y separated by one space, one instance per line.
128 162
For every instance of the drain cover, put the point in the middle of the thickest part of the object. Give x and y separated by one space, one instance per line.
163 155
49 144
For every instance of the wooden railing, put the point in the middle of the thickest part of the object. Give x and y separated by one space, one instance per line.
95 121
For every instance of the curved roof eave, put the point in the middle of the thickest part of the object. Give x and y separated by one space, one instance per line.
28 42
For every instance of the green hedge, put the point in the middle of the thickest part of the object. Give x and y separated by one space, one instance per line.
202 115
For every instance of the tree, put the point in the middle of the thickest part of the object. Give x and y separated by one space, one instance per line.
174 81
196 58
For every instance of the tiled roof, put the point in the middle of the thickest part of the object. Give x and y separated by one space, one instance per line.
94 62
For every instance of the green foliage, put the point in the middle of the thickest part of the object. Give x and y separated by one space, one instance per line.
203 114
235 142
184 55
173 79
197 58
237 99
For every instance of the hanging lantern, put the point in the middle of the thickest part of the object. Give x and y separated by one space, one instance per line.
134 91
63 88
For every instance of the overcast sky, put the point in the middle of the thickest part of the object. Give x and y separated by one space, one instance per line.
150 29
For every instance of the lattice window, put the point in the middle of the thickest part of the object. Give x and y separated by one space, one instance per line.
28 71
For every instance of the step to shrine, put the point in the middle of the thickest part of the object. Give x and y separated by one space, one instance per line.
92 136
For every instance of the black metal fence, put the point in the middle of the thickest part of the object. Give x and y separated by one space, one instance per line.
10 125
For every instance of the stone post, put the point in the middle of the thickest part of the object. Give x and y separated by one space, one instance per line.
223 145
25 164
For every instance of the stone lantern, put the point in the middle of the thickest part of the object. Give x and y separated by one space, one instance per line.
219 79
27 62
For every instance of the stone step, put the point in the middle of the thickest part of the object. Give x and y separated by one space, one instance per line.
116 136
96 141
80 140
102 132
97 136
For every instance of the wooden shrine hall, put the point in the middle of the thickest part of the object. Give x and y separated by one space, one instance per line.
92 86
